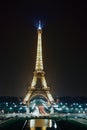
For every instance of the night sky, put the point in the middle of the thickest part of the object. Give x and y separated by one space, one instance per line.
64 46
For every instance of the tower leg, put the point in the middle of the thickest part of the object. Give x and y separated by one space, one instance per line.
49 96
44 82
34 81
27 97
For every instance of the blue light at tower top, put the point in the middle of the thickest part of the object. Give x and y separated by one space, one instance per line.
39 26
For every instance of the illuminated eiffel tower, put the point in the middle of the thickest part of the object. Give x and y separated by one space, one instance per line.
39 86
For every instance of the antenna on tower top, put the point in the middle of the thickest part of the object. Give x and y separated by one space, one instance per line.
39 26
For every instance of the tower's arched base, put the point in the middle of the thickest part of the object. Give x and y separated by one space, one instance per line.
40 93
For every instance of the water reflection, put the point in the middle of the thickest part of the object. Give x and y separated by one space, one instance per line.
40 124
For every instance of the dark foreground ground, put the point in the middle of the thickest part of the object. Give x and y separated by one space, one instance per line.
18 124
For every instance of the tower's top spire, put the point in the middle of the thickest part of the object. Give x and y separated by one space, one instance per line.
39 60
39 25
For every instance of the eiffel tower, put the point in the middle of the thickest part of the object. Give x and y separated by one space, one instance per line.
39 85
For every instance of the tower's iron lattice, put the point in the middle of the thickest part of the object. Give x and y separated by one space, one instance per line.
38 85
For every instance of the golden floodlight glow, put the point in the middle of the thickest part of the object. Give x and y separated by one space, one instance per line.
39 61
33 82
39 74
44 82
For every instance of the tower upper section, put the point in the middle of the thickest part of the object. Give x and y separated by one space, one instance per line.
39 60
39 25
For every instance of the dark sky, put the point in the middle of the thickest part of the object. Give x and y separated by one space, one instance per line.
64 46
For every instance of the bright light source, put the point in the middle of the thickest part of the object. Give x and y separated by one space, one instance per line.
79 105
39 26
10 108
55 125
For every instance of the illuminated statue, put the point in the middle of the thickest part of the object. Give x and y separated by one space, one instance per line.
40 89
